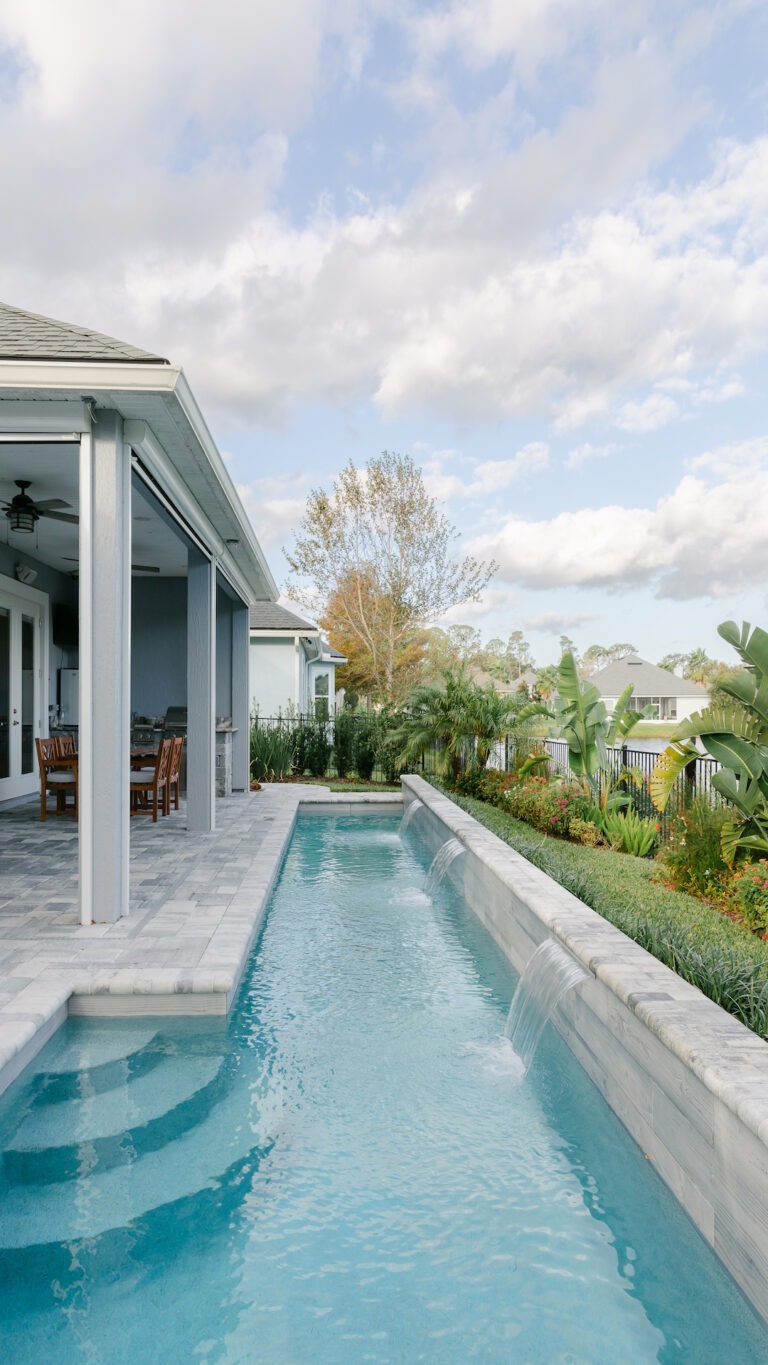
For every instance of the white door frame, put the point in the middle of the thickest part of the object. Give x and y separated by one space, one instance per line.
20 600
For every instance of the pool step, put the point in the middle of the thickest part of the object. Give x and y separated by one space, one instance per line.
116 1129
92 1203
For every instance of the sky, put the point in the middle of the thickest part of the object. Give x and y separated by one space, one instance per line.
523 241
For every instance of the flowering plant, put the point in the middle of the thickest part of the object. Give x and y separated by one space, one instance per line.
751 895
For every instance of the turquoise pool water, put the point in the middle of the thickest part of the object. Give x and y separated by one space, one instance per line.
351 1169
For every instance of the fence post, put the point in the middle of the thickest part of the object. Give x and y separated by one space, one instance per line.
690 780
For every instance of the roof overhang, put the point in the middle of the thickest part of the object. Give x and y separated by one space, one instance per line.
168 434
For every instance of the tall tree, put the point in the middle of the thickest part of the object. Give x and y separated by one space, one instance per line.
373 559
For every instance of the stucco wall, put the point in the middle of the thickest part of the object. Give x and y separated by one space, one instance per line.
272 676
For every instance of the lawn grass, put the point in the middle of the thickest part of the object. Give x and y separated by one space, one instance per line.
722 958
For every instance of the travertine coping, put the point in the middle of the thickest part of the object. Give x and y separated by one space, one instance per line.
688 1080
183 953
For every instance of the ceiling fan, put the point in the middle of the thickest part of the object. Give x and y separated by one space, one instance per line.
23 512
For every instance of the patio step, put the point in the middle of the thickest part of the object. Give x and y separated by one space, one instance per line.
65 1140
89 1205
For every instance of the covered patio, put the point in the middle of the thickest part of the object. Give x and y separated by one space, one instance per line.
127 568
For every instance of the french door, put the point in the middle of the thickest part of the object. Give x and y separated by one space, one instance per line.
22 618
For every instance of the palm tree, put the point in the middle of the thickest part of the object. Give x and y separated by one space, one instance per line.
464 721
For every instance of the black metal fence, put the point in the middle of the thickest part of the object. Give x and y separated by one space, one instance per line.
361 725
695 780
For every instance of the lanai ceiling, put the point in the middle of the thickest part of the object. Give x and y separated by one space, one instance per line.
52 470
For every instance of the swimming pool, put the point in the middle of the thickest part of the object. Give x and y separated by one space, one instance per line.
351 1168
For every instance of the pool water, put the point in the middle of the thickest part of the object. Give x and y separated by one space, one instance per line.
352 1168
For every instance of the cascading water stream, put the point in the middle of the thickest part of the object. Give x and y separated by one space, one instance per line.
408 815
440 864
549 973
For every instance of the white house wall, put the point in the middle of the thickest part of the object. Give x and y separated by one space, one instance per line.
273 676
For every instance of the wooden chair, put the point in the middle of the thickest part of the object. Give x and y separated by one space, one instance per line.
174 768
148 785
57 774
65 746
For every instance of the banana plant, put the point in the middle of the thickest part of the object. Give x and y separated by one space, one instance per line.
588 728
736 736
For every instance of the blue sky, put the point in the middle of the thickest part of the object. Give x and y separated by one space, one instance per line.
525 242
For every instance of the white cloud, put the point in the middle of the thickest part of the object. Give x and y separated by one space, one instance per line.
705 539
518 279
581 455
556 622
275 507
489 476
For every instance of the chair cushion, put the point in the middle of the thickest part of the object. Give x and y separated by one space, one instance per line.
143 775
64 778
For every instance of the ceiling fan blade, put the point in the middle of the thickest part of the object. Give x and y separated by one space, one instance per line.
49 504
60 516
145 568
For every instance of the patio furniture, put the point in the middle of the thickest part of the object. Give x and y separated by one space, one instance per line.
66 746
174 770
148 785
57 774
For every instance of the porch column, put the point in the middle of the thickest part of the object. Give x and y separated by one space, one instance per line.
241 698
105 670
201 693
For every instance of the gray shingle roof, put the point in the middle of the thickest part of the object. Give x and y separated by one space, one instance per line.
270 616
27 336
647 680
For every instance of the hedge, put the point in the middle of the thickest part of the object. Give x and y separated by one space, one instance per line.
723 959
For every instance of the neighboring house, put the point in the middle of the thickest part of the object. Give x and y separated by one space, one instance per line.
672 698
292 668
127 568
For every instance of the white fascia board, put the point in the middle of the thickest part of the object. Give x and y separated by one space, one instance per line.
277 633
85 377
53 417
194 416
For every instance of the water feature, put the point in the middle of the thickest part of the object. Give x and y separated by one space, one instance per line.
409 813
440 864
350 1168
550 971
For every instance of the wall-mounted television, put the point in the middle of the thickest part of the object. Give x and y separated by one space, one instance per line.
66 626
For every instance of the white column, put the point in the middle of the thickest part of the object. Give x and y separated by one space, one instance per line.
201 693
105 670
241 698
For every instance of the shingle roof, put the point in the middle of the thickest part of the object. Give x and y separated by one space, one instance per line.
647 680
270 616
333 652
27 336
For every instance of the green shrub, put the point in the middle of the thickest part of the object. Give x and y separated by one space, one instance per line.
724 960
366 740
585 832
548 806
628 832
318 748
692 858
344 743
750 893
271 752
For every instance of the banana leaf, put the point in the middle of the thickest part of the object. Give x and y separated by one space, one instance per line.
668 766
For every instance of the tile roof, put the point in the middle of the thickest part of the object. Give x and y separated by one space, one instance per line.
27 336
271 616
